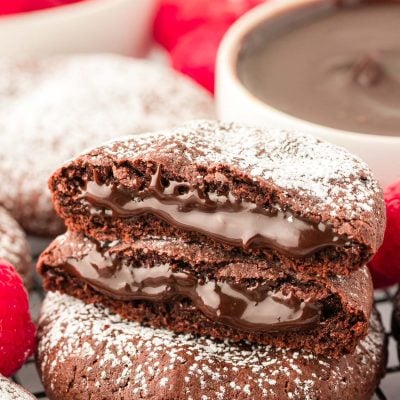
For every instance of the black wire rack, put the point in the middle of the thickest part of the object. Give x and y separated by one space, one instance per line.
388 390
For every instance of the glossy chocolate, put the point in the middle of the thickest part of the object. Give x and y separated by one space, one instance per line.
223 218
249 309
333 64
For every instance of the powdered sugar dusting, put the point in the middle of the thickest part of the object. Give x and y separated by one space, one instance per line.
10 391
52 109
332 179
153 361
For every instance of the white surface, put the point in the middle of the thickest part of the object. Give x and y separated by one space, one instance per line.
118 26
234 102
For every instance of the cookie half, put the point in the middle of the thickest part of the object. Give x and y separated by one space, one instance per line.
191 287
295 200
11 391
14 247
86 352
51 109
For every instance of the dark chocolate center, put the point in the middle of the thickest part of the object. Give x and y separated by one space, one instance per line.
255 309
224 218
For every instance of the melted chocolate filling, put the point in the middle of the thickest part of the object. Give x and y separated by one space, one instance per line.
224 218
248 309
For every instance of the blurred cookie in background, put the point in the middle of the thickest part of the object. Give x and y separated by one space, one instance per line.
14 247
11 391
54 108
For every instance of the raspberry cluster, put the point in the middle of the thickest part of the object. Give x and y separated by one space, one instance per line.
191 30
385 266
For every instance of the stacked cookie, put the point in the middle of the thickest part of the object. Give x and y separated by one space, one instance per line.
213 261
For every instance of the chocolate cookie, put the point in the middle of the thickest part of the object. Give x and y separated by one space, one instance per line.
396 320
191 287
11 391
86 352
52 109
14 247
295 200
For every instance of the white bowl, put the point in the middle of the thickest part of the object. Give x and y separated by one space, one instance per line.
236 103
117 26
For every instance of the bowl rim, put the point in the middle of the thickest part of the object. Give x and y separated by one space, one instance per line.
62 11
228 53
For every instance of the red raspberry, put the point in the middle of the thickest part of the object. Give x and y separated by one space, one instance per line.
13 6
385 266
19 6
172 21
196 53
17 331
42 4
176 18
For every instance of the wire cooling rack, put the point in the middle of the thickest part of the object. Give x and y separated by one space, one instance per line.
388 390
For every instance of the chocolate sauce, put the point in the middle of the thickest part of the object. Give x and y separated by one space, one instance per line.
333 64
224 218
254 309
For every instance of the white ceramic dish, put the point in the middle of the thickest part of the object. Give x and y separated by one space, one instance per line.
235 102
117 26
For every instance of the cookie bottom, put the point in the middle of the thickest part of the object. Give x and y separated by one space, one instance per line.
86 352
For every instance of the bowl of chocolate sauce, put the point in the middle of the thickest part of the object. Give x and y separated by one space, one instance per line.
328 67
